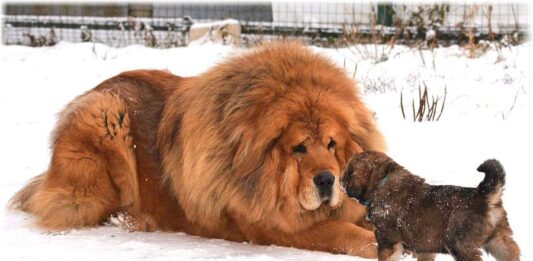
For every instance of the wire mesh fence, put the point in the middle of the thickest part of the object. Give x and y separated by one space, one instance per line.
179 23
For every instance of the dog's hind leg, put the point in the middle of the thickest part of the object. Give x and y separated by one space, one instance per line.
461 251
92 172
425 257
501 245
390 252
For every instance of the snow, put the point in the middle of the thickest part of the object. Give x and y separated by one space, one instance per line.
215 24
487 115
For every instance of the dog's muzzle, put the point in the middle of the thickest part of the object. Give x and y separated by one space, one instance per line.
324 182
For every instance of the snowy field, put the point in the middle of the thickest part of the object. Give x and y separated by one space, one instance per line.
488 114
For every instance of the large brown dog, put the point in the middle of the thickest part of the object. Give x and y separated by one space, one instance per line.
251 150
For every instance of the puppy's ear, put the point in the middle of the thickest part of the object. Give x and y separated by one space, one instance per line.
391 166
351 148
383 169
347 173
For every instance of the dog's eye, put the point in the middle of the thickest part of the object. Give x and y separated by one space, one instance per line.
331 144
299 149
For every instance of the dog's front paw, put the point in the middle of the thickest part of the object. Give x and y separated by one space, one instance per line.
132 223
115 129
124 221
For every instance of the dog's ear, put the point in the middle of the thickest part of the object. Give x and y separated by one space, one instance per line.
251 149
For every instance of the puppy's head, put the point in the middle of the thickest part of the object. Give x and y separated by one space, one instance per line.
365 171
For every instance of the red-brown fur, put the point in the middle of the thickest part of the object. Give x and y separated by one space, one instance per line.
213 155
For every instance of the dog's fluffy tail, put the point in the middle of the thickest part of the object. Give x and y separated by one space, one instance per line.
494 179
21 198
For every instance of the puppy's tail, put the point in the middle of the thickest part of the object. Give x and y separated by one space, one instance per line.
21 198
494 179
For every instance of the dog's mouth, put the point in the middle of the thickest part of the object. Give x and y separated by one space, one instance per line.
313 198
325 194
329 198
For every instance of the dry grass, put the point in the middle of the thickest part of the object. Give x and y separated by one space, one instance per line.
422 108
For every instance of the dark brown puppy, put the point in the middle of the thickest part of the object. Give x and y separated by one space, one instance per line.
426 219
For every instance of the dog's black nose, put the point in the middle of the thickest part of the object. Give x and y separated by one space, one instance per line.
324 182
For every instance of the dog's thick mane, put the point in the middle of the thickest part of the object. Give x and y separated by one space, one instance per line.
268 88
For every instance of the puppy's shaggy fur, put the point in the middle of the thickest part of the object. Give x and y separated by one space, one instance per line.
251 150
407 212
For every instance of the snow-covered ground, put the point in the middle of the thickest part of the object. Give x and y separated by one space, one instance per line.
488 114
